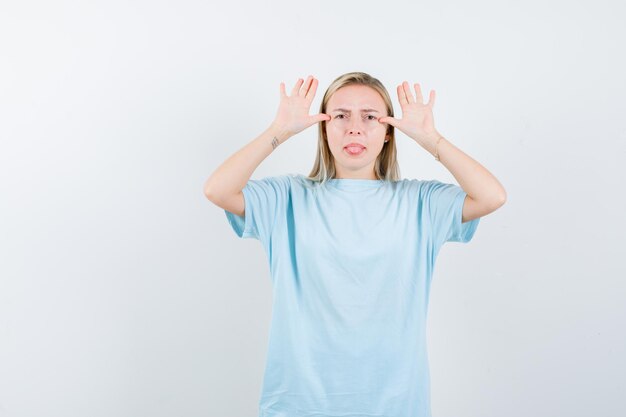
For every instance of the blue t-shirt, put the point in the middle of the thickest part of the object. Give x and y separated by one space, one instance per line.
351 264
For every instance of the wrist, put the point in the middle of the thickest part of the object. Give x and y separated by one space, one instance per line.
430 142
437 147
279 132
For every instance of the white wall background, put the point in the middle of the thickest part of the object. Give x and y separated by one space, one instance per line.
124 292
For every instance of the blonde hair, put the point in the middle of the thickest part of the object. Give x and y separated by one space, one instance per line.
386 166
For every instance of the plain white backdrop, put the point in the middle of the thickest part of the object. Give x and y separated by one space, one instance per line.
124 291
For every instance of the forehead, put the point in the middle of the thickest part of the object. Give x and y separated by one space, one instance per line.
356 97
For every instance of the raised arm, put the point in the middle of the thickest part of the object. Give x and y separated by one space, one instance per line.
484 192
224 187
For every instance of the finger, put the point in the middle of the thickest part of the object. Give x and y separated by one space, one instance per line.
402 96
296 88
418 93
313 89
431 99
388 120
322 117
305 88
282 90
407 92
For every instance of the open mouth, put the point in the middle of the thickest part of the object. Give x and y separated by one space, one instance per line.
354 149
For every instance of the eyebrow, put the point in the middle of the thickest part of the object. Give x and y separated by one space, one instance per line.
362 110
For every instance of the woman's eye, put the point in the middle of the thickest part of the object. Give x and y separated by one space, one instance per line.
369 116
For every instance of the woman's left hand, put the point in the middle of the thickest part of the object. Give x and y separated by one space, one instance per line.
417 118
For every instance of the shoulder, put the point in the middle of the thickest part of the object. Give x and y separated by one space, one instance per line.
303 182
427 185
407 184
284 180
432 189
284 183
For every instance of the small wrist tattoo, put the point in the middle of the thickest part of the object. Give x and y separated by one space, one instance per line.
275 143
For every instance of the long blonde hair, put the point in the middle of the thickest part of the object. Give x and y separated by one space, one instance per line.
386 166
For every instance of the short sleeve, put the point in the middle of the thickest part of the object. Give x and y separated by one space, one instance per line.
266 200
444 206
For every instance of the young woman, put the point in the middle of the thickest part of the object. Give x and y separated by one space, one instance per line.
351 248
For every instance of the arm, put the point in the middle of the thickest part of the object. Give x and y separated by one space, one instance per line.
484 192
224 187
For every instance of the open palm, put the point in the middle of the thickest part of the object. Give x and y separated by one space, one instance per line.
417 118
293 111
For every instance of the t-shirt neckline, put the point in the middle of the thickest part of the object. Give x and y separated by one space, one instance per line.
355 183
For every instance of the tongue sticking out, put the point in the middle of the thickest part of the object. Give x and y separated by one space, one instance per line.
354 150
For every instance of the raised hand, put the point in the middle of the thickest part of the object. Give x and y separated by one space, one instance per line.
293 111
417 118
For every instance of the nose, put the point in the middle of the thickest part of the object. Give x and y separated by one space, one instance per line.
354 126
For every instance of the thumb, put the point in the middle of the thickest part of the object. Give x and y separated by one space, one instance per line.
320 118
386 119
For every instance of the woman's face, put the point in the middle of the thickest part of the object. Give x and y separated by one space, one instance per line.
354 112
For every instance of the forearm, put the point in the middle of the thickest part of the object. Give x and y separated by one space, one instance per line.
233 174
473 178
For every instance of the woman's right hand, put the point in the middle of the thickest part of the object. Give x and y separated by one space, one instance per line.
293 112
